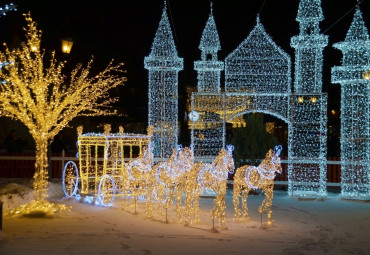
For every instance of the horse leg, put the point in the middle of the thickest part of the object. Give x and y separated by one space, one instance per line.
267 202
245 194
196 206
221 205
187 208
236 193
179 192
149 205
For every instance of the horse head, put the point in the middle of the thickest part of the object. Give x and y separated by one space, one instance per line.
186 159
275 159
229 161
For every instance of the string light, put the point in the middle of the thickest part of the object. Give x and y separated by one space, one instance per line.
45 102
163 65
261 177
355 105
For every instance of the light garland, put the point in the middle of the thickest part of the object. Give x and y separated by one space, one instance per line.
163 65
39 97
261 177
212 178
355 108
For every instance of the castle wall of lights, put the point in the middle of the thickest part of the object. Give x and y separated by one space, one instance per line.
258 79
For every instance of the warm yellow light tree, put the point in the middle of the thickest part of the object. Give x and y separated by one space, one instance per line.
45 100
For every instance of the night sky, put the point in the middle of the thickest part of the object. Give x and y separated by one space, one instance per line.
124 30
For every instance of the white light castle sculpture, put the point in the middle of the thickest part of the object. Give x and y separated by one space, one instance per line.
354 78
163 65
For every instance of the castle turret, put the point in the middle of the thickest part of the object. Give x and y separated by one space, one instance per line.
163 64
355 109
209 68
309 45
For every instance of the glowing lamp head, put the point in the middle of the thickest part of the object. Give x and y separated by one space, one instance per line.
300 99
67 45
366 75
313 99
34 48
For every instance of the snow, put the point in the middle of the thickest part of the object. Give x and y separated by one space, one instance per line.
333 226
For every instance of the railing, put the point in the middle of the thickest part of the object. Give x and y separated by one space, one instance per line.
22 165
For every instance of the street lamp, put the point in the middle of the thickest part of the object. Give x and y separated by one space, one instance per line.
67 44
366 74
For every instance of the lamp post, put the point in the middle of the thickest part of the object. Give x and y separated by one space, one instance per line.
67 44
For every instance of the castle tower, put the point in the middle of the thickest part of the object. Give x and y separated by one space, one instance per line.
209 68
163 64
309 45
353 75
307 167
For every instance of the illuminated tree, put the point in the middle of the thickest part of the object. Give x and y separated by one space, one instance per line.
45 100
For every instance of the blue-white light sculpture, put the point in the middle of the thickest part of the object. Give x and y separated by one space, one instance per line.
353 75
309 45
209 68
163 65
307 167
208 128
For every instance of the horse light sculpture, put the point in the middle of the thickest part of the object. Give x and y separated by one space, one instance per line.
167 181
261 177
211 178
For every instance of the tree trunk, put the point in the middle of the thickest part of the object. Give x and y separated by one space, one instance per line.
40 184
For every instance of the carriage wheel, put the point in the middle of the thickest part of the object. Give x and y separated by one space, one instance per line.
70 179
106 190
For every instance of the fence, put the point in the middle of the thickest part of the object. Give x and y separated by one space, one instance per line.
22 165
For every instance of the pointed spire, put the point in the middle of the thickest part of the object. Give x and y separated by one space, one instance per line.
357 31
258 19
210 40
163 44
310 10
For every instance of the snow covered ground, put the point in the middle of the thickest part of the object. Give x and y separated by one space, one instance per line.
332 226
